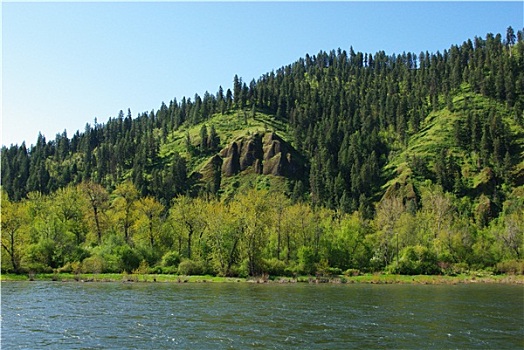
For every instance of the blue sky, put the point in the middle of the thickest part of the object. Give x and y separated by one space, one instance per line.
66 63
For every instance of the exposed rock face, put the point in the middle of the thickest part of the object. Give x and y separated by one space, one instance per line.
231 163
250 151
264 154
406 191
214 163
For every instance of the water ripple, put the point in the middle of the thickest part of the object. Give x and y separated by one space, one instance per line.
167 316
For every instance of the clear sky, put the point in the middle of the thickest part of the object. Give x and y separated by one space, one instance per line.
66 63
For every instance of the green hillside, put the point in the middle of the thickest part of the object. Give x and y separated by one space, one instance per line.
440 131
229 126
317 167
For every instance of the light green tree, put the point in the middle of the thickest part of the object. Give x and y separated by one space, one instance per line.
186 214
124 207
225 234
252 208
388 212
98 200
52 237
150 219
69 205
14 237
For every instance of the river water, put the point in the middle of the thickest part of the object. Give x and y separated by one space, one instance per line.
57 315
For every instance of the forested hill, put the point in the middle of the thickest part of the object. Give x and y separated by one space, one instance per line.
348 113
343 131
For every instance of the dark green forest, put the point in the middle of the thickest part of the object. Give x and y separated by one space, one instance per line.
339 162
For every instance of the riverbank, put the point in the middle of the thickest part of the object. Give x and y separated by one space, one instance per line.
361 279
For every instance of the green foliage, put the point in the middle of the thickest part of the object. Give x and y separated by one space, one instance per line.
142 269
416 260
258 232
351 272
275 267
415 159
171 259
190 267
94 264
307 260
129 258
513 267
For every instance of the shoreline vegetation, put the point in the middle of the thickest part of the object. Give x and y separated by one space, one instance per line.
337 165
361 279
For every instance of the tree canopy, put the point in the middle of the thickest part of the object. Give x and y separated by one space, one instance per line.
403 158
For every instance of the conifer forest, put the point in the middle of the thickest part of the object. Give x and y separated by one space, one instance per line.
340 162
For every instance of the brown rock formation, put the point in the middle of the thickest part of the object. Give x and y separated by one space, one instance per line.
231 164
266 154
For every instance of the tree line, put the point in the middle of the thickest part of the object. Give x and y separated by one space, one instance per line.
84 228
344 110
347 113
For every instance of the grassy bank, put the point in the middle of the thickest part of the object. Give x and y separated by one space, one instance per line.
361 279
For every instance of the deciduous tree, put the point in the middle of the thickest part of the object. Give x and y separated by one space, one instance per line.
14 217
98 199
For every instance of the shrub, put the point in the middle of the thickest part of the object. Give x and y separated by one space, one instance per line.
242 270
76 267
307 260
510 267
334 271
142 269
129 258
376 263
236 270
79 254
145 252
416 260
71 267
191 267
459 268
351 272
41 255
275 267
291 271
36 267
168 270
113 263
93 264
171 259
155 270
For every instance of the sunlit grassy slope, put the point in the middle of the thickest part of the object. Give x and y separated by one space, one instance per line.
436 133
229 126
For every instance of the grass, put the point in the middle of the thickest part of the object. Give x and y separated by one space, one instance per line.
228 126
236 184
361 279
436 133
425 279
116 277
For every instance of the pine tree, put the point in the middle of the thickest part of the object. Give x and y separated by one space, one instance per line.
213 139
203 139
510 38
237 90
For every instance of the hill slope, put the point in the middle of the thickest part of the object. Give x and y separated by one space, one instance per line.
450 148
340 161
356 123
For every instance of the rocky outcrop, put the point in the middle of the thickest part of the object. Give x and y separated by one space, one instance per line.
406 191
231 162
212 165
262 153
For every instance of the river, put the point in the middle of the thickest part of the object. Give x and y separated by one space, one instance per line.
71 315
